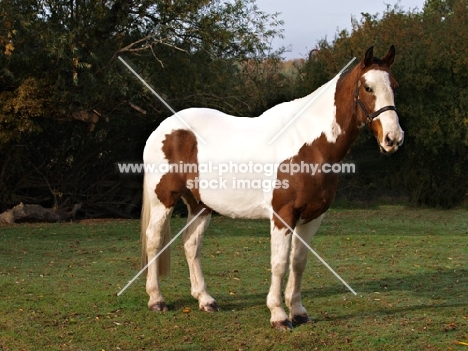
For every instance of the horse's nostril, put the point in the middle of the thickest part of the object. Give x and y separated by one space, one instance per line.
388 141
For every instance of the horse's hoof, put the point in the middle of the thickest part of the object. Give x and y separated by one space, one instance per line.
211 307
282 325
301 319
159 307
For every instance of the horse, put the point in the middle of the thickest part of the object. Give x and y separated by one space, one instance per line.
245 167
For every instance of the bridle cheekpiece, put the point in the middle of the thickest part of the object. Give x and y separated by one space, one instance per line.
370 116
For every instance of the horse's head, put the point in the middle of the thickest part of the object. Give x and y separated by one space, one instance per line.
375 102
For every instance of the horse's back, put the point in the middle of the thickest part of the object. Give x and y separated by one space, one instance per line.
220 136
211 140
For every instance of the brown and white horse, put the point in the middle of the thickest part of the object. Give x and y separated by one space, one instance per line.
242 167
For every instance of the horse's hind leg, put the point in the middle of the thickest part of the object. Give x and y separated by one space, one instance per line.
157 233
298 260
192 239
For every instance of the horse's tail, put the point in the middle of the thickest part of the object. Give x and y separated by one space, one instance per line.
145 217
164 261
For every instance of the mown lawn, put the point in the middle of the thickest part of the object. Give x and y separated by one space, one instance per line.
58 286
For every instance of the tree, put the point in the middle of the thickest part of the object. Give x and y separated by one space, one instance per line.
438 166
432 99
70 111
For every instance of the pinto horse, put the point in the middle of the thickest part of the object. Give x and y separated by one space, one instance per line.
217 162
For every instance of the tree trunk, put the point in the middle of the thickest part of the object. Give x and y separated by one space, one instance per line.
37 213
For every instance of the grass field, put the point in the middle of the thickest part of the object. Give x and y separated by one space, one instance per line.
58 286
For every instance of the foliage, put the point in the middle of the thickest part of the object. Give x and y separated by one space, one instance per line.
432 99
408 266
70 110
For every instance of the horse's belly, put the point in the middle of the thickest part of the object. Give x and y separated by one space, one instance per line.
236 179
236 203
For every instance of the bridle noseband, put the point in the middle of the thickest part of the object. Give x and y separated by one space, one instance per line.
370 116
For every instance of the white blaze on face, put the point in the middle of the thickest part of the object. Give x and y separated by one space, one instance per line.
392 134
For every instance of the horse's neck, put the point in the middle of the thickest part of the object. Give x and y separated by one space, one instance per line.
324 121
346 112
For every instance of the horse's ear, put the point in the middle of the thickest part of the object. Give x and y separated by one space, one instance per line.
390 57
368 57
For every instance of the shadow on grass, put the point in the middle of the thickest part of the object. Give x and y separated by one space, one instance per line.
443 288
439 289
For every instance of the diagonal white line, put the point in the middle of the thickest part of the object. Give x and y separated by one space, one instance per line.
312 250
160 252
161 99
310 102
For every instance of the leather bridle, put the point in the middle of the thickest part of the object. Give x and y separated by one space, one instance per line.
370 116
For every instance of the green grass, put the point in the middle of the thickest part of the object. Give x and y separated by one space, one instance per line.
58 285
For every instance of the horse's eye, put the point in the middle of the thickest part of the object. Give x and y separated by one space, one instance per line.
368 89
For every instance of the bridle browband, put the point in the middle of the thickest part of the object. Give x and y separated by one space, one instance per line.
370 116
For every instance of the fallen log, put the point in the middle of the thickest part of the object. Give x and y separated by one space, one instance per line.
37 213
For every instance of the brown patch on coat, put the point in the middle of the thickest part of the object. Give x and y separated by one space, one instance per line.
180 148
307 195
377 130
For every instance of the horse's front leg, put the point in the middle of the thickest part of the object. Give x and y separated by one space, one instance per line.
280 245
298 260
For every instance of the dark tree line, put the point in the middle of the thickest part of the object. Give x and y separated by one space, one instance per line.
70 111
432 100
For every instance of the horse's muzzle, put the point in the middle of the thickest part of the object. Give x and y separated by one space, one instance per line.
392 142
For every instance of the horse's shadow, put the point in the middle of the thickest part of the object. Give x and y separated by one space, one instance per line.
438 289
